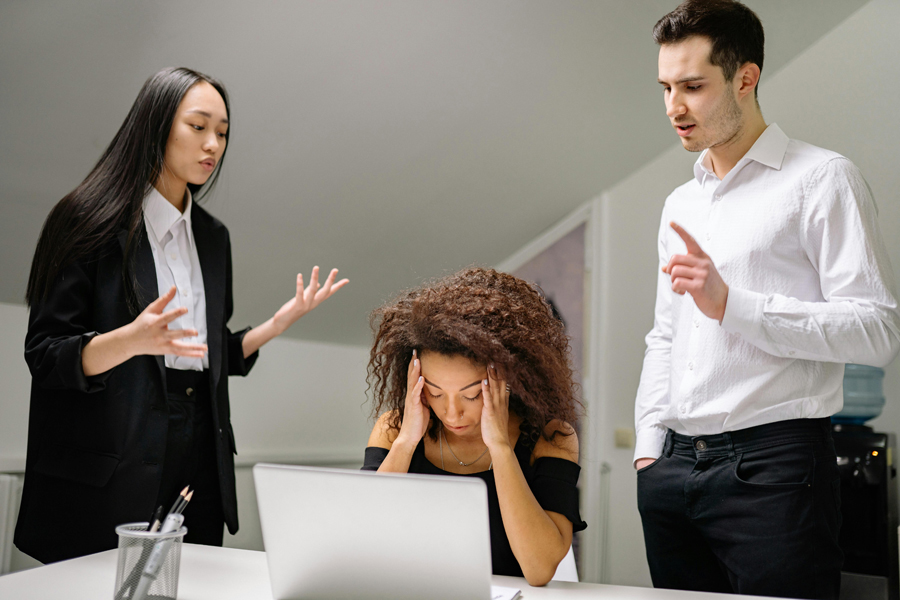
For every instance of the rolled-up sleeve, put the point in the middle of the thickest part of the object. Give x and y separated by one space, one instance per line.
59 327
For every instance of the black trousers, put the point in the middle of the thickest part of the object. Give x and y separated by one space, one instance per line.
754 511
191 457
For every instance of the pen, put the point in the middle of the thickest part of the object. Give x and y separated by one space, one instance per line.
156 521
174 519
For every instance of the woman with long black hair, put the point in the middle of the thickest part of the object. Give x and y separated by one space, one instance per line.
128 344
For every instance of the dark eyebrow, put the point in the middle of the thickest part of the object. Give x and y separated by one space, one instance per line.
687 79
205 114
471 384
442 389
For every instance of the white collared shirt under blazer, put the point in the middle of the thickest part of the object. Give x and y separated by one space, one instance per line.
793 231
177 263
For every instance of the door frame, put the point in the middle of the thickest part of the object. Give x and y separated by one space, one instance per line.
595 470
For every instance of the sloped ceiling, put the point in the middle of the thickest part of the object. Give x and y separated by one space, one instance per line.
396 140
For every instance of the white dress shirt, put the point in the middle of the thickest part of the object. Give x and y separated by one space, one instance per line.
177 263
792 229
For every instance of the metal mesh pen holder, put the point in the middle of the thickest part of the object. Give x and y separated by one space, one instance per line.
148 563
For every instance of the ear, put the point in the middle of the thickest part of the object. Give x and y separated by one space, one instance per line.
746 79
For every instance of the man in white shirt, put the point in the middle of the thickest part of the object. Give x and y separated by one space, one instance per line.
773 274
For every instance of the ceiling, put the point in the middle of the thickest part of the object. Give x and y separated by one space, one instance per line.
395 140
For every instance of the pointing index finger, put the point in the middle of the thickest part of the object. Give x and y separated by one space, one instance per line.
692 246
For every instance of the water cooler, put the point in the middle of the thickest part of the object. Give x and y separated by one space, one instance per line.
868 491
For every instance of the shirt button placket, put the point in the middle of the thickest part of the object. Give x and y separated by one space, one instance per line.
711 218
692 351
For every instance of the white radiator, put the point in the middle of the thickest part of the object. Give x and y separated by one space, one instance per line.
10 494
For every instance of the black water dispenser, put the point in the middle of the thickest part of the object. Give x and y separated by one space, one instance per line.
868 491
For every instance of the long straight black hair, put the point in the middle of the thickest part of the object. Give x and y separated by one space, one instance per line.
110 199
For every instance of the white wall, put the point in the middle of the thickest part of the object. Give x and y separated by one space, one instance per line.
15 386
841 94
303 403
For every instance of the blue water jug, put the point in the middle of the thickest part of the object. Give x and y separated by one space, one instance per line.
863 394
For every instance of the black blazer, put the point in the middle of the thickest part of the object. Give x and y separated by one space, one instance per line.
96 444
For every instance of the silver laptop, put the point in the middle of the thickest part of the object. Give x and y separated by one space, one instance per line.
333 533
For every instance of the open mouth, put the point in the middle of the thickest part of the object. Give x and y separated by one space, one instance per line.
684 129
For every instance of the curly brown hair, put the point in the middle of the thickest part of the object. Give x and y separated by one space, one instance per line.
486 316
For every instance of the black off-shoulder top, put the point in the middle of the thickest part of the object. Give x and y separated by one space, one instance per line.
552 481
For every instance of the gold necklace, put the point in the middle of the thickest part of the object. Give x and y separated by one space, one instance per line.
461 463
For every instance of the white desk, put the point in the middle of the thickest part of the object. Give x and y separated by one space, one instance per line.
226 574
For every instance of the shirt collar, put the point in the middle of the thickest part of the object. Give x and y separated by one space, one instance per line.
769 149
161 217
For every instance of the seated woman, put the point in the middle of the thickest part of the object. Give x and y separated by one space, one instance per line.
471 377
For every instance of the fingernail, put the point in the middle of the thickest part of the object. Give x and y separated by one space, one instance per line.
484 382
414 352
416 363
420 378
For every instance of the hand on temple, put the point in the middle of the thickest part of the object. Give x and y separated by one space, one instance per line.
495 412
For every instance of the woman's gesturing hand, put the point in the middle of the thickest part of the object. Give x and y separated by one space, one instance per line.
495 413
416 413
149 333
307 298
